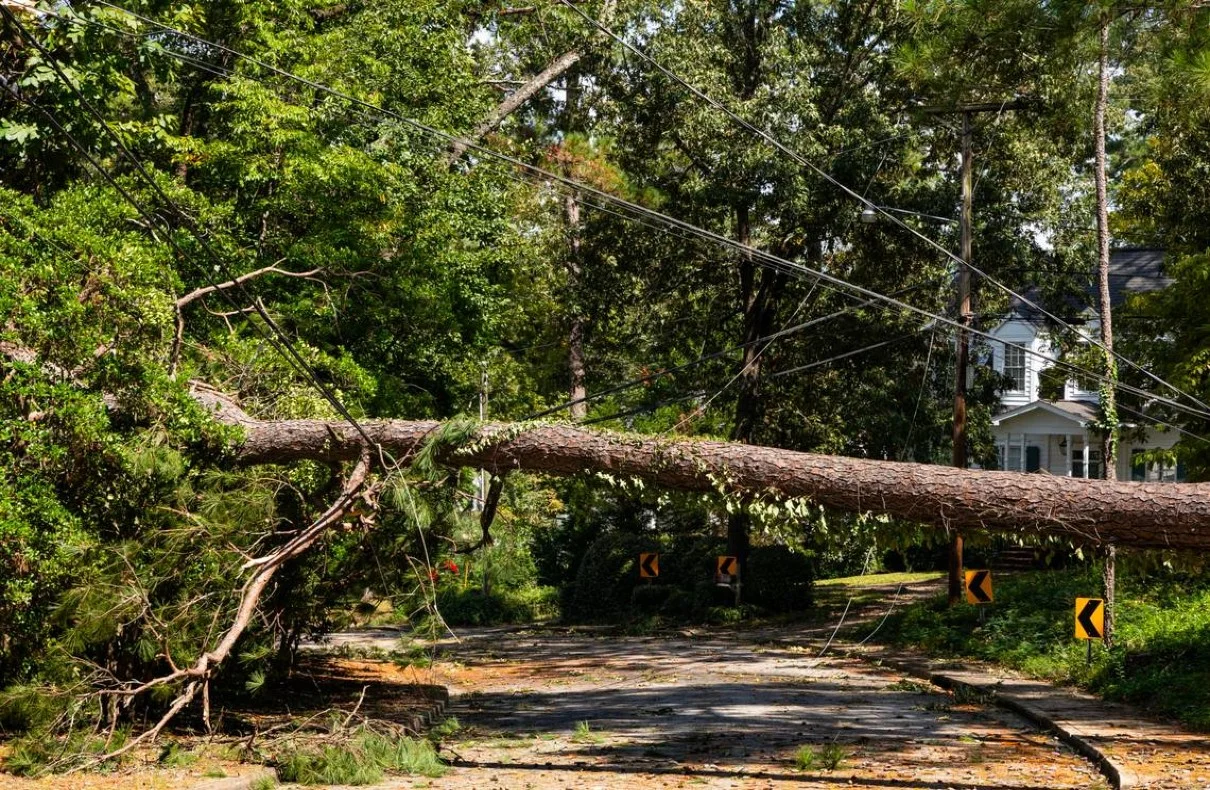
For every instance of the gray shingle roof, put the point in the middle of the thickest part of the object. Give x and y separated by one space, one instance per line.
1132 270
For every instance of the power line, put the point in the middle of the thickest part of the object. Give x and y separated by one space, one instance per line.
710 357
777 144
928 361
567 187
799 369
848 354
768 259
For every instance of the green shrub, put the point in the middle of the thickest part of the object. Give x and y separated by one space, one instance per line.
779 579
472 607
607 576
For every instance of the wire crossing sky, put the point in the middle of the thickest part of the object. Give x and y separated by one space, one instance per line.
764 258
768 138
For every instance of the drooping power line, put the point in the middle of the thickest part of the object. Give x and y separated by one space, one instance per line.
765 258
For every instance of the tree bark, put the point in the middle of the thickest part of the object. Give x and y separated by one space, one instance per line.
758 297
576 365
1109 442
514 100
1140 515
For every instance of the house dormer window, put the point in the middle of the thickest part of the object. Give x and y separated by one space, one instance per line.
1014 366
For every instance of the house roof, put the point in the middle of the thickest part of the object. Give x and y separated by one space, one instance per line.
1079 412
1132 270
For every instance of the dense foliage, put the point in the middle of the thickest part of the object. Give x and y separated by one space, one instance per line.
140 166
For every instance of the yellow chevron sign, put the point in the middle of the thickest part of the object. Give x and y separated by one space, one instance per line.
979 587
1090 618
649 565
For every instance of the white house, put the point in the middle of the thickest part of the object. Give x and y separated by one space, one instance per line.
1054 436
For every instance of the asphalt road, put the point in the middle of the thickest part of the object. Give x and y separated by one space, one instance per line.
553 709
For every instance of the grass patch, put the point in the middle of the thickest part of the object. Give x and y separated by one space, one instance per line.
829 757
366 759
1159 663
173 755
584 734
446 728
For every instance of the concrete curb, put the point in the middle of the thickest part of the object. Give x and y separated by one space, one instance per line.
1121 777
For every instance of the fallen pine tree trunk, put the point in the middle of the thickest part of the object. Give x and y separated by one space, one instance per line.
1140 515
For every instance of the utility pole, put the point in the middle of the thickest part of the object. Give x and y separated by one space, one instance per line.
963 356
965 314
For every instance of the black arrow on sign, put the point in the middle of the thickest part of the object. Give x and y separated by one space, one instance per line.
1085 618
647 566
976 587
724 565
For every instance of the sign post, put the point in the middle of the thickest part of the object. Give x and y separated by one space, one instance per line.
979 590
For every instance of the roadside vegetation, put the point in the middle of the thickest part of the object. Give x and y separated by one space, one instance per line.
1159 663
366 758
185 227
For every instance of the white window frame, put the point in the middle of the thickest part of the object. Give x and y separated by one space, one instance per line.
1010 348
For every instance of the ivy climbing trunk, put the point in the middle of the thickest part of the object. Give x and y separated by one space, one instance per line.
1108 388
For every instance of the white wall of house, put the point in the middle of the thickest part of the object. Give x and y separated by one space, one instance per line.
1053 435
1032 338
1024 335
1060 447
1155 440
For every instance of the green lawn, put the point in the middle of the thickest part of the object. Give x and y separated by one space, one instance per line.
880 578
1161 661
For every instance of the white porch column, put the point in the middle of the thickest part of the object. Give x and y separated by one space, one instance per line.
1022 469
1068 449
1085 456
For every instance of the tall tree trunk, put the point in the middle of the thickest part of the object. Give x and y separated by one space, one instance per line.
1108 392
575 338
578 389
1140 515
758 295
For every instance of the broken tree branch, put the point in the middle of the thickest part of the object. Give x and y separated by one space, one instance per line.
491 503
511 103
178 338
263 570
